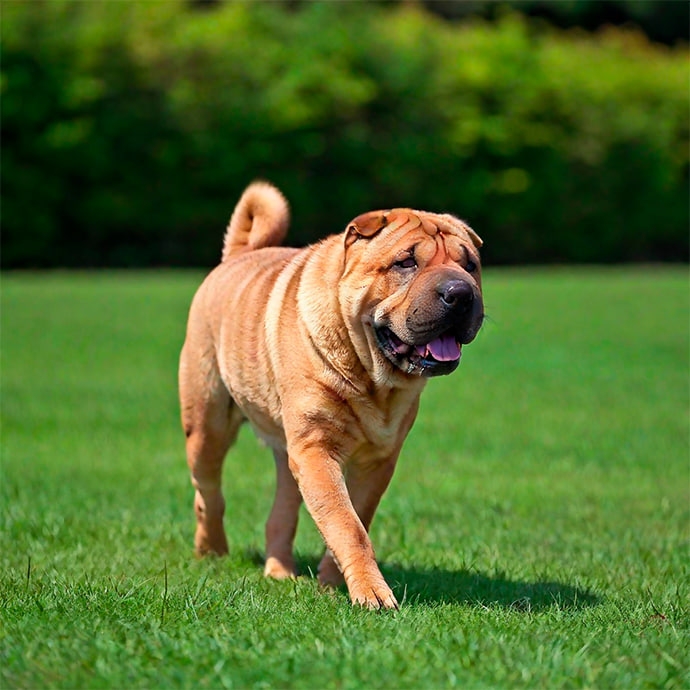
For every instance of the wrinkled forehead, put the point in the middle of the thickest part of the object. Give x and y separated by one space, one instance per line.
441 231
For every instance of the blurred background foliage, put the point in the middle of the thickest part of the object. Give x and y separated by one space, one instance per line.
130 129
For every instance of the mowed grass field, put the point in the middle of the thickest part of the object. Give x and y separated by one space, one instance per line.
536 531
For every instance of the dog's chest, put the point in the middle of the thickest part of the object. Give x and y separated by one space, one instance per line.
385 424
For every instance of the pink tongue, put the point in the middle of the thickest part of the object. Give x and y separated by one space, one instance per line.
444 349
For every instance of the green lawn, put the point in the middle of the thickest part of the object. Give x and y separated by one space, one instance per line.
536 530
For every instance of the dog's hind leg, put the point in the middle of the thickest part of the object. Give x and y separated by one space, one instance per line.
282 522
211 421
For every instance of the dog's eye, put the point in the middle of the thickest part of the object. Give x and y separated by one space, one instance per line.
470 266
407 262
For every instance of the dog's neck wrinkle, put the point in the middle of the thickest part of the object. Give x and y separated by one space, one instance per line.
317 301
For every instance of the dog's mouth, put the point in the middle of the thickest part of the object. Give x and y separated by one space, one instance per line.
439 356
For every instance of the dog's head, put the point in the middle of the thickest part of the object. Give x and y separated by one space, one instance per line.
414 280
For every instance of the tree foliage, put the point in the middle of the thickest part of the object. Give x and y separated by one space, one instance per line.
130 129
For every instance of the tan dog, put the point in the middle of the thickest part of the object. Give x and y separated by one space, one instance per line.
325 350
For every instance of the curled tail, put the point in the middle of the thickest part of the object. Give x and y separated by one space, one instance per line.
260 219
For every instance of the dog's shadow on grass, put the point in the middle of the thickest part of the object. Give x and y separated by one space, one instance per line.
439 585
443 586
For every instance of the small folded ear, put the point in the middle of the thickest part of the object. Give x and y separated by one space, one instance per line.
476 240
365 226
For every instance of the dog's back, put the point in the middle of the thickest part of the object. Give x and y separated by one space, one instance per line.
231 300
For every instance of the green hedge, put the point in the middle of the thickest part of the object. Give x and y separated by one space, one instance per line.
130 129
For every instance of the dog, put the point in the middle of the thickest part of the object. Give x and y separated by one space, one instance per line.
325 351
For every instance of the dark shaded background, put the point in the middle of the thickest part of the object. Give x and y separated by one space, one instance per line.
558 130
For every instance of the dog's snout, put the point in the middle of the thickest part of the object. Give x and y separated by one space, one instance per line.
456 293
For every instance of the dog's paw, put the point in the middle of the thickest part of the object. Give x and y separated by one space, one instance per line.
280 569
206 546
379 596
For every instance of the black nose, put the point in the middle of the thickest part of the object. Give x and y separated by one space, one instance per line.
456 293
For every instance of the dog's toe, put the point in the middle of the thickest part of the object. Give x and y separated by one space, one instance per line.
375 598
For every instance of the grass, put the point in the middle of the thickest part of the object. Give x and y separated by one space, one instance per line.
536 530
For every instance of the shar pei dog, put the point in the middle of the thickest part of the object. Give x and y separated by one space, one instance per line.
325 351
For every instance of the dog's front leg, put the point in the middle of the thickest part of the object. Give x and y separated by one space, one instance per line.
366 484
320 479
